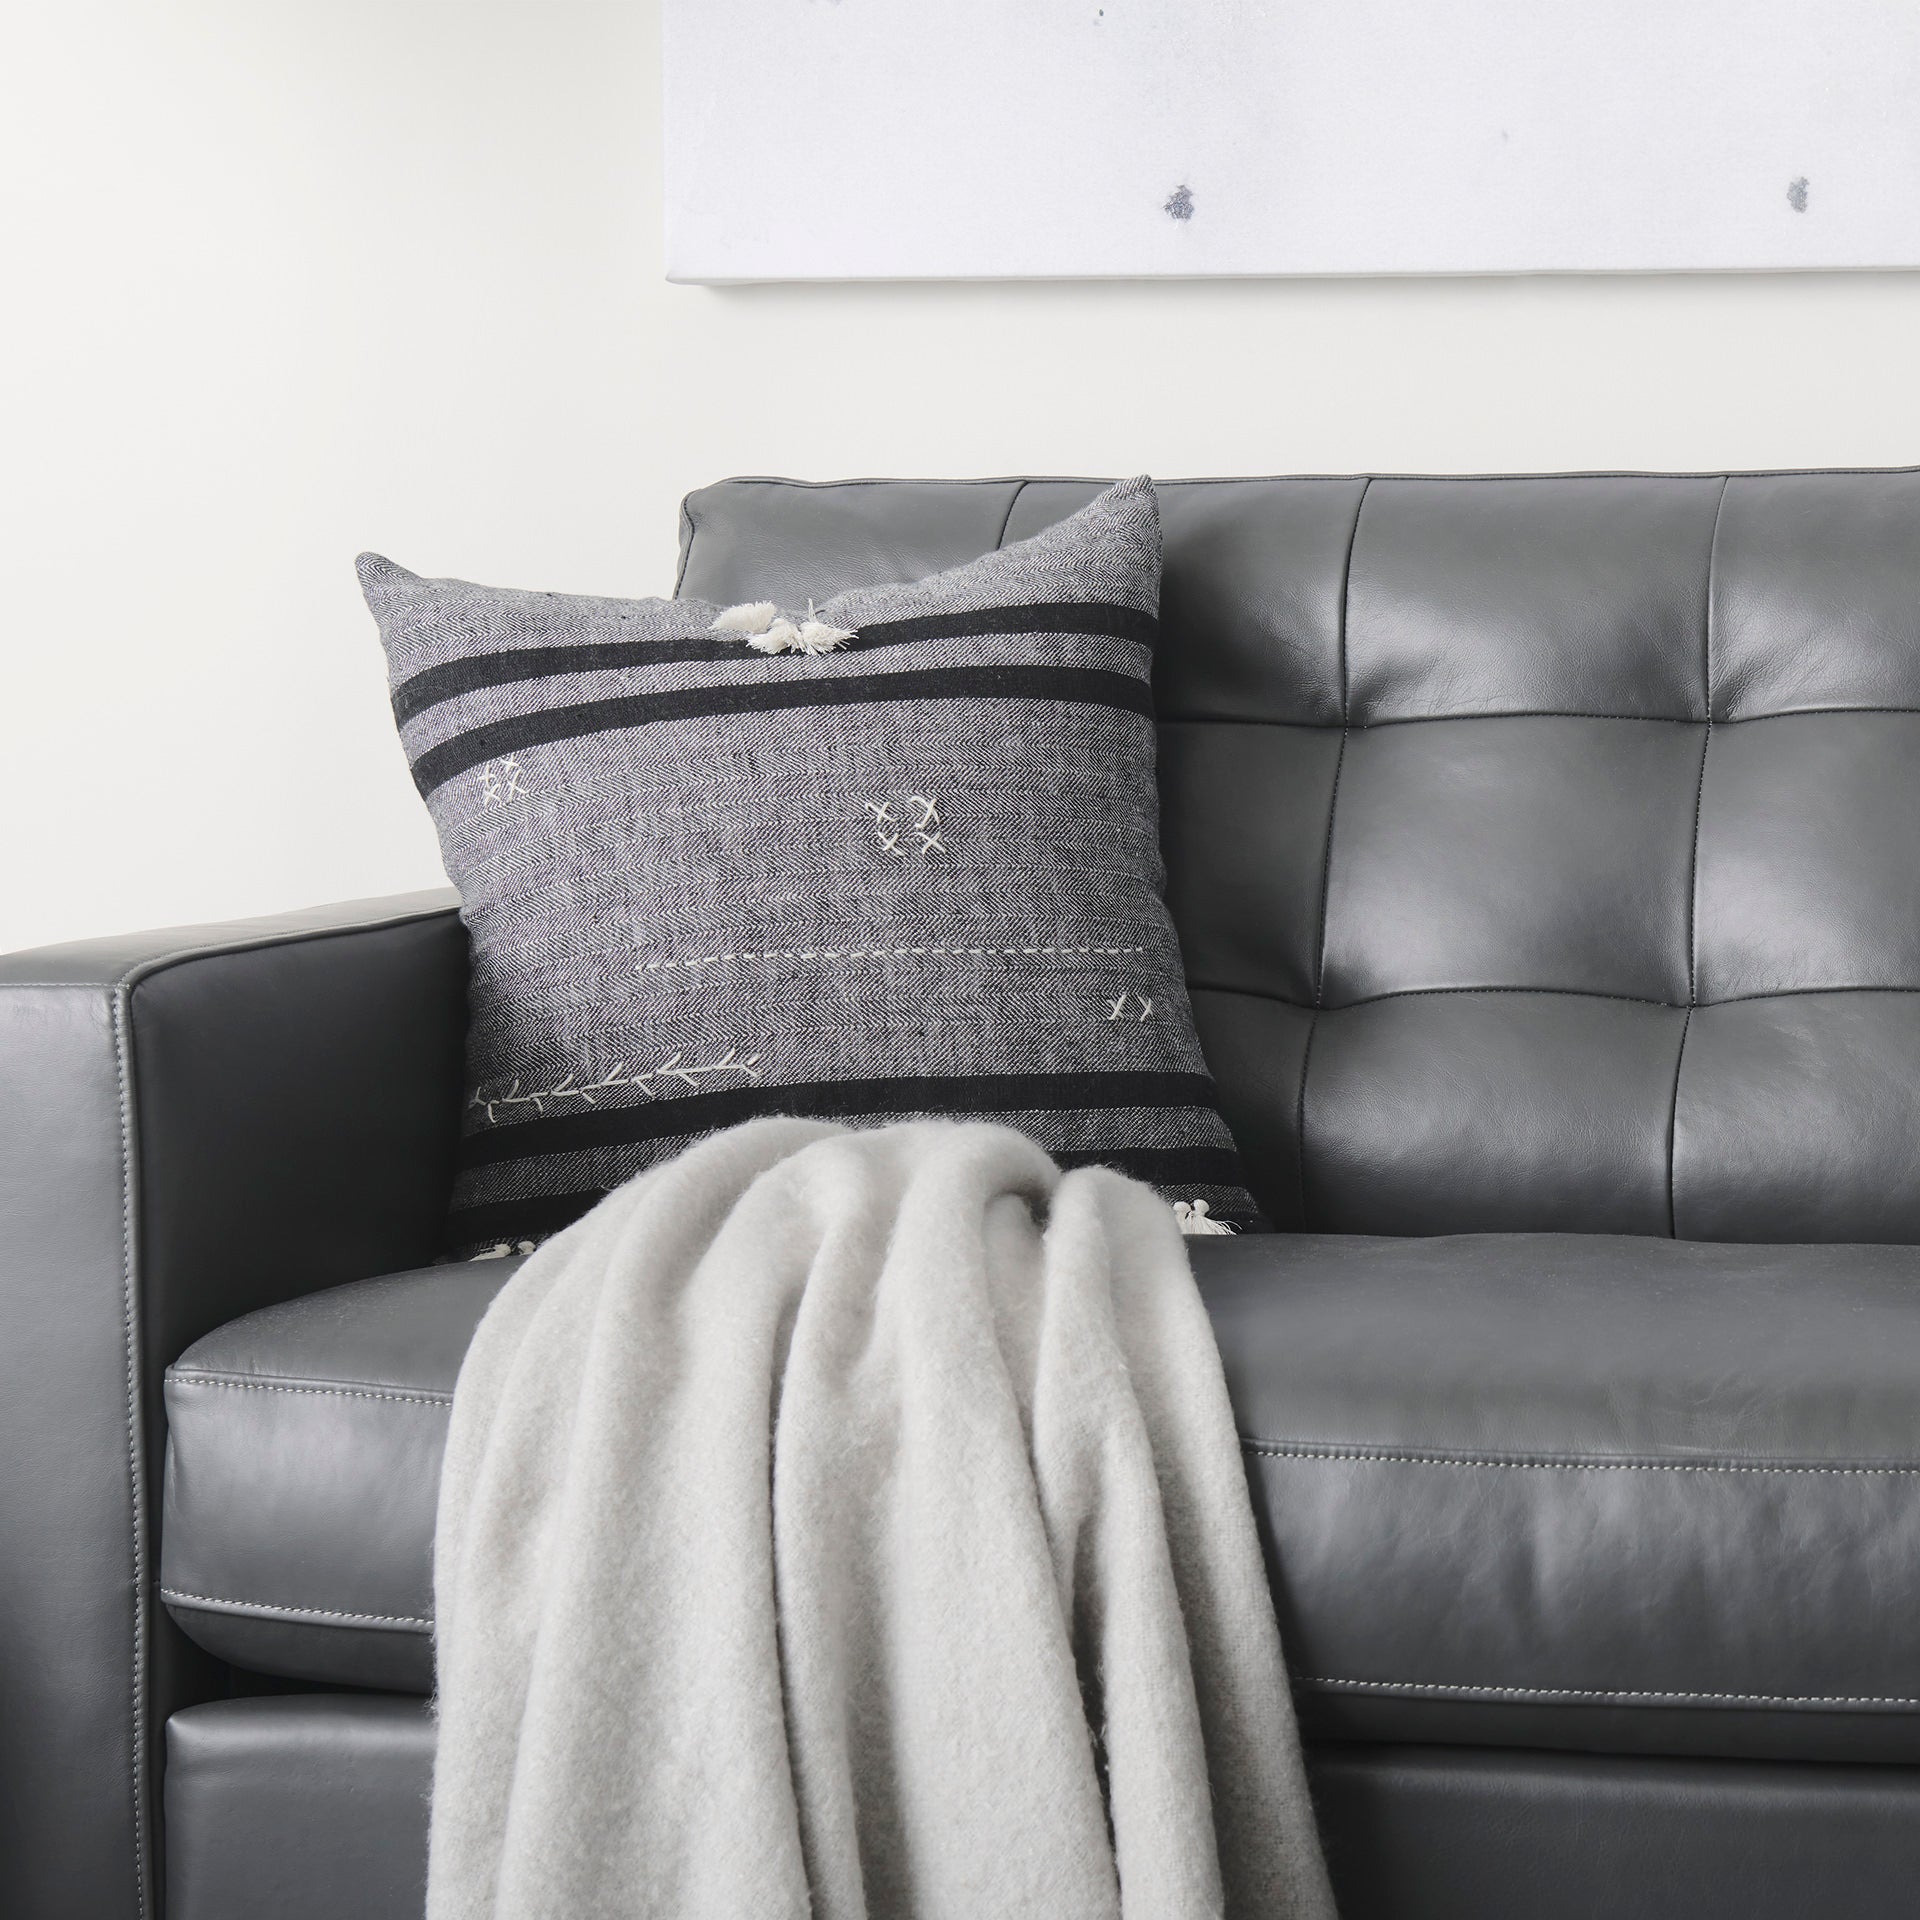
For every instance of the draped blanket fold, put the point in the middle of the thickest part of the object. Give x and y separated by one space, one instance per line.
852 1524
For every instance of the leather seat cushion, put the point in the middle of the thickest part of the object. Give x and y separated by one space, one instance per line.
303 1465
311 1807
1516 1490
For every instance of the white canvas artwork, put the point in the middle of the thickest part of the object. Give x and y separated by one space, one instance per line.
943 139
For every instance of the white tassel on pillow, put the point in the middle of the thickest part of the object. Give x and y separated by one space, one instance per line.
767 630
782 637
1195 1219
817 637
751 616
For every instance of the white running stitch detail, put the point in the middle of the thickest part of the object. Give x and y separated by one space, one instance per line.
671 1068
886 953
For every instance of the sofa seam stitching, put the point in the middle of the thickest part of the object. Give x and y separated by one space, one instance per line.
1700 786
1300 1112
1609 1693
1564 993
1295 479
1006 519
1279 1450
1326 855
1326 872
136 972
685 556
120 1016
1693 868
425 1399
276 1609
1518 713
1346 727
1673 1119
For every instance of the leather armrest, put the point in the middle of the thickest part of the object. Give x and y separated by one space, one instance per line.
193 1124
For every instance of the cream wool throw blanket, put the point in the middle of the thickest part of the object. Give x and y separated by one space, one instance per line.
852 1524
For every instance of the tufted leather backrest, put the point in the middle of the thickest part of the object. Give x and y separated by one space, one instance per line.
1545 851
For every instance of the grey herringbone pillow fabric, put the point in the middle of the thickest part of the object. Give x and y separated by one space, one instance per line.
920 874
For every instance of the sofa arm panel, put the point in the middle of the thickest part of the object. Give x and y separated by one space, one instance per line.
193 1124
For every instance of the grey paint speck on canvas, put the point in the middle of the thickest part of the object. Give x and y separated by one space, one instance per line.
1797 194
1041 140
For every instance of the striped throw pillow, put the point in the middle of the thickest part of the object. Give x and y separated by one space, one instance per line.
895 855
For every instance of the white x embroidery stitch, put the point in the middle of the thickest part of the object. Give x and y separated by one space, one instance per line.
929 817
887 830
882 820
499 786
1118 1009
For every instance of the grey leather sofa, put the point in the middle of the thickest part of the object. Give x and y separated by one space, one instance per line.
1547 857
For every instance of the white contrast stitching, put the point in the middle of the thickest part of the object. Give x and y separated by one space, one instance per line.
120 989
136 1452
929 817
149 964
492 792
890 842
1611 1693
306 1613
283 1386
671 1068
1117 1009
886 953
1274 1451
882 820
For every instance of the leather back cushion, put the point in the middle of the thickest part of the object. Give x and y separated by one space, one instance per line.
1545 852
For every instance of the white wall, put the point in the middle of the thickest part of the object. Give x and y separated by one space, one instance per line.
280 280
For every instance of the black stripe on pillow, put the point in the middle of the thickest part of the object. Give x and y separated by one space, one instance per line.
835 1100
513 1220
1094 618
1085 686
534 1219
1165 1166
434 685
